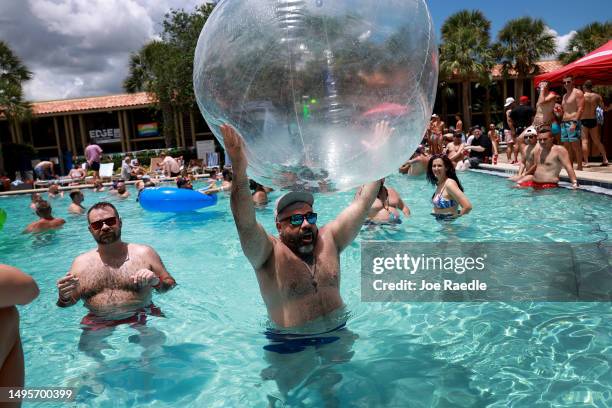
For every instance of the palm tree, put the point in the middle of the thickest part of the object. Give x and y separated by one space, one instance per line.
12 103
586 40
465 53
523 42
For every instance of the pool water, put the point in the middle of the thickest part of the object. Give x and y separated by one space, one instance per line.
209 350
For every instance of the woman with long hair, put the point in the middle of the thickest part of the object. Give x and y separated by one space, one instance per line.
449 195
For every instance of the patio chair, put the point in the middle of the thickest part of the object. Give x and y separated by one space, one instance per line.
106 170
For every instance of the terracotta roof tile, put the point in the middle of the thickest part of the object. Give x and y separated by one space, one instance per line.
545 66
93 103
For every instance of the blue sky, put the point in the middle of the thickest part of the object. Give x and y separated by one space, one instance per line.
563 16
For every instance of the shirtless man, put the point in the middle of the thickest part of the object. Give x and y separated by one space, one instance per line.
386 207
549 160
46 221
528 164
589 123
417 165
545 106
573 106
54 191
121 191
16 288
116 279
437 130
456 149
459 124
45 170
508 128
299 272
77 198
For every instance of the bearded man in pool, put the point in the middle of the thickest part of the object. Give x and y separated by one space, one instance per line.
116 279
299 272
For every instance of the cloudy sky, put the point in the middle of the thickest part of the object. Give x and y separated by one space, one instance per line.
81 47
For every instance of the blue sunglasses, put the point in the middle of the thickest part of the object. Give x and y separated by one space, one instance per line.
297 219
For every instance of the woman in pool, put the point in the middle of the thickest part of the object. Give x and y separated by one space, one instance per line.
448 196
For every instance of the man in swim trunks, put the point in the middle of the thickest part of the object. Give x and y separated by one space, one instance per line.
417 165
456 149
573 107
169 165
46 221
386 207
77 198
121 190
508 128
93 154
590 127
299 272
116 279
16 288
528 164
545 106
437 130
550 159
45 170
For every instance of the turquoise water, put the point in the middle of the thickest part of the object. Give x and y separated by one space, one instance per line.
208 351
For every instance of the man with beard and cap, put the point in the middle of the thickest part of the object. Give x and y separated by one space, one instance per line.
298 272
116 279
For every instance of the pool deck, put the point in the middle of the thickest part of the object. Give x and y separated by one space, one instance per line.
593 175
83 186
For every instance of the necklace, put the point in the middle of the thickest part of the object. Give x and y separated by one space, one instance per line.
312 270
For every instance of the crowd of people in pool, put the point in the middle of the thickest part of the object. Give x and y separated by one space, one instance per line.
299 271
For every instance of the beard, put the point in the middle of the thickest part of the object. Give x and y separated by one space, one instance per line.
302 243
108 237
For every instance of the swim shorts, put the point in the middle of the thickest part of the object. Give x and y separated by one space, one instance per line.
568 136
288 343
589 123
93 322
538 186
95 166
508 136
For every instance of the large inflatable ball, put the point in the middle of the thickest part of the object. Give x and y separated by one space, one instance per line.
305 82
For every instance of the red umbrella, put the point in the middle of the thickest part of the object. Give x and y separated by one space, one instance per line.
596 66
391 109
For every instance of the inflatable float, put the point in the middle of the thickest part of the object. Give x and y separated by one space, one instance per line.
172 199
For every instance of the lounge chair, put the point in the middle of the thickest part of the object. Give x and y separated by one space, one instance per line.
106 170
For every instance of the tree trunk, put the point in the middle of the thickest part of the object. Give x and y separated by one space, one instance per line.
465 101
519 88
444 105
487 106
168 126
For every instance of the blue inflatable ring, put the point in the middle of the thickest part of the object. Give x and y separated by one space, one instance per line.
172 199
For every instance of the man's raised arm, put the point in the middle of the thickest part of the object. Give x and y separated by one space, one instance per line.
256 244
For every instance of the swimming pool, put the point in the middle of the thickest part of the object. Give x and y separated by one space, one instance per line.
208 351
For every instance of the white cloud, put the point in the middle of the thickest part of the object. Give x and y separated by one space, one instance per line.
80 48
560 40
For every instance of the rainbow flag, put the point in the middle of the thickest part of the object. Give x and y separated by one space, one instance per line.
148 129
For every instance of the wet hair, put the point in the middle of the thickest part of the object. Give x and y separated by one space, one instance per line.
74 193
43 206
227 174
588 84
448 167
102 204
149 184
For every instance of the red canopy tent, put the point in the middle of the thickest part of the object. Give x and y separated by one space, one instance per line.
596 66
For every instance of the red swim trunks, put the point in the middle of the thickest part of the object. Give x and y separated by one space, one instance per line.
92 322
538 186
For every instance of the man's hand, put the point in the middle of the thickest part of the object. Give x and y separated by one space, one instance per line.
67 287
144 277
234 145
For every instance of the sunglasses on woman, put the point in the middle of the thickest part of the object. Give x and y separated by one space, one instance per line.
97 225
297 219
